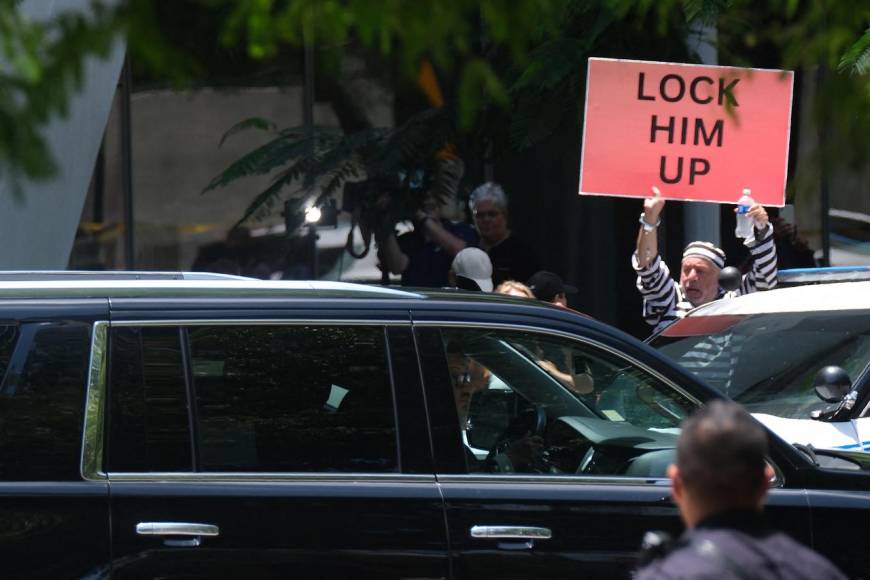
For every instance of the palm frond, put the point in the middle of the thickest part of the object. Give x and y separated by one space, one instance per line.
325 159
351 148
289 144
856 61
337 178
251 123
336 160
266 198
413 142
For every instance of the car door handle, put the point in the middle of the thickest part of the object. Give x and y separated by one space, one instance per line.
511 533
173 529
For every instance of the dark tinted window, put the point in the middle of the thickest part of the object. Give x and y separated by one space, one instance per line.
539 404
8 338
42 400
292 398
148 417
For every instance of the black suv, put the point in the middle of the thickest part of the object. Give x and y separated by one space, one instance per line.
215 428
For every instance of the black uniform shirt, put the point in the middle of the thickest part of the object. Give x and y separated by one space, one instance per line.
738 546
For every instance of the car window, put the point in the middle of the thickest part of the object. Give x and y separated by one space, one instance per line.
293 398
149 428
265 399
42 397
533 403
768 362
8 338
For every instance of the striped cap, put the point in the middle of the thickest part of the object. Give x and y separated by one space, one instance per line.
707 251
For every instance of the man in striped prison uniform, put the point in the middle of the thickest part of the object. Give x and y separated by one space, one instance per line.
665 301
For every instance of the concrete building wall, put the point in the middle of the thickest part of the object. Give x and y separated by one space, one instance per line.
39 226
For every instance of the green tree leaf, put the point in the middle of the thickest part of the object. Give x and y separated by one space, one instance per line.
856 61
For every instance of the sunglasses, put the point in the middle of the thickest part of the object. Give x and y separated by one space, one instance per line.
462 379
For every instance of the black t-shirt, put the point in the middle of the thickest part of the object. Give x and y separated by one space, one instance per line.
512 259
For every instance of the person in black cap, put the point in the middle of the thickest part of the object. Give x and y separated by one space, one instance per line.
549 287
559 361
719 483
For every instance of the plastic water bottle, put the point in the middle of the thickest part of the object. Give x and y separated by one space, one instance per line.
744 222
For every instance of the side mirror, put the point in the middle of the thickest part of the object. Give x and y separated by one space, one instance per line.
832 384
730 278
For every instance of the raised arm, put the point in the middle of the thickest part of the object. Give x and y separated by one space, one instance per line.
654 282
764 270
437 233
647 235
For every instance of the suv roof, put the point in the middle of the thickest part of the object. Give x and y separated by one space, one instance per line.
818 297
34 275
205 286
156 287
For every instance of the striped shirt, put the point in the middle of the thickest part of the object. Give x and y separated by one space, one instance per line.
663 299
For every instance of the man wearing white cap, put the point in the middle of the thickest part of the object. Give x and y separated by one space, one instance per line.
471 270
663 300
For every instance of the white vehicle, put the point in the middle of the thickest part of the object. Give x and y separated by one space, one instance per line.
797 358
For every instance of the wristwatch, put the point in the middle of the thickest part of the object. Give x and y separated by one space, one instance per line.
647 227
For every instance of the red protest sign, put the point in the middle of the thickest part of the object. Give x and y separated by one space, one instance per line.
697 132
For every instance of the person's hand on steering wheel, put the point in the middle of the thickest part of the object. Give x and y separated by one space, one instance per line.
525 451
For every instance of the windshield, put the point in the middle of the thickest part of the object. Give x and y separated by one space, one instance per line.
768 362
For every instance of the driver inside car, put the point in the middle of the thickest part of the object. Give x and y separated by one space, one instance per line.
469 377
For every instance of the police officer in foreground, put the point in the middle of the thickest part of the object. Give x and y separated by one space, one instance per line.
719 484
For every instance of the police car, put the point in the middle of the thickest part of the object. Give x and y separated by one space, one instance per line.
797 357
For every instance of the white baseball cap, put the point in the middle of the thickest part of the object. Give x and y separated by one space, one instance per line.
474 264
